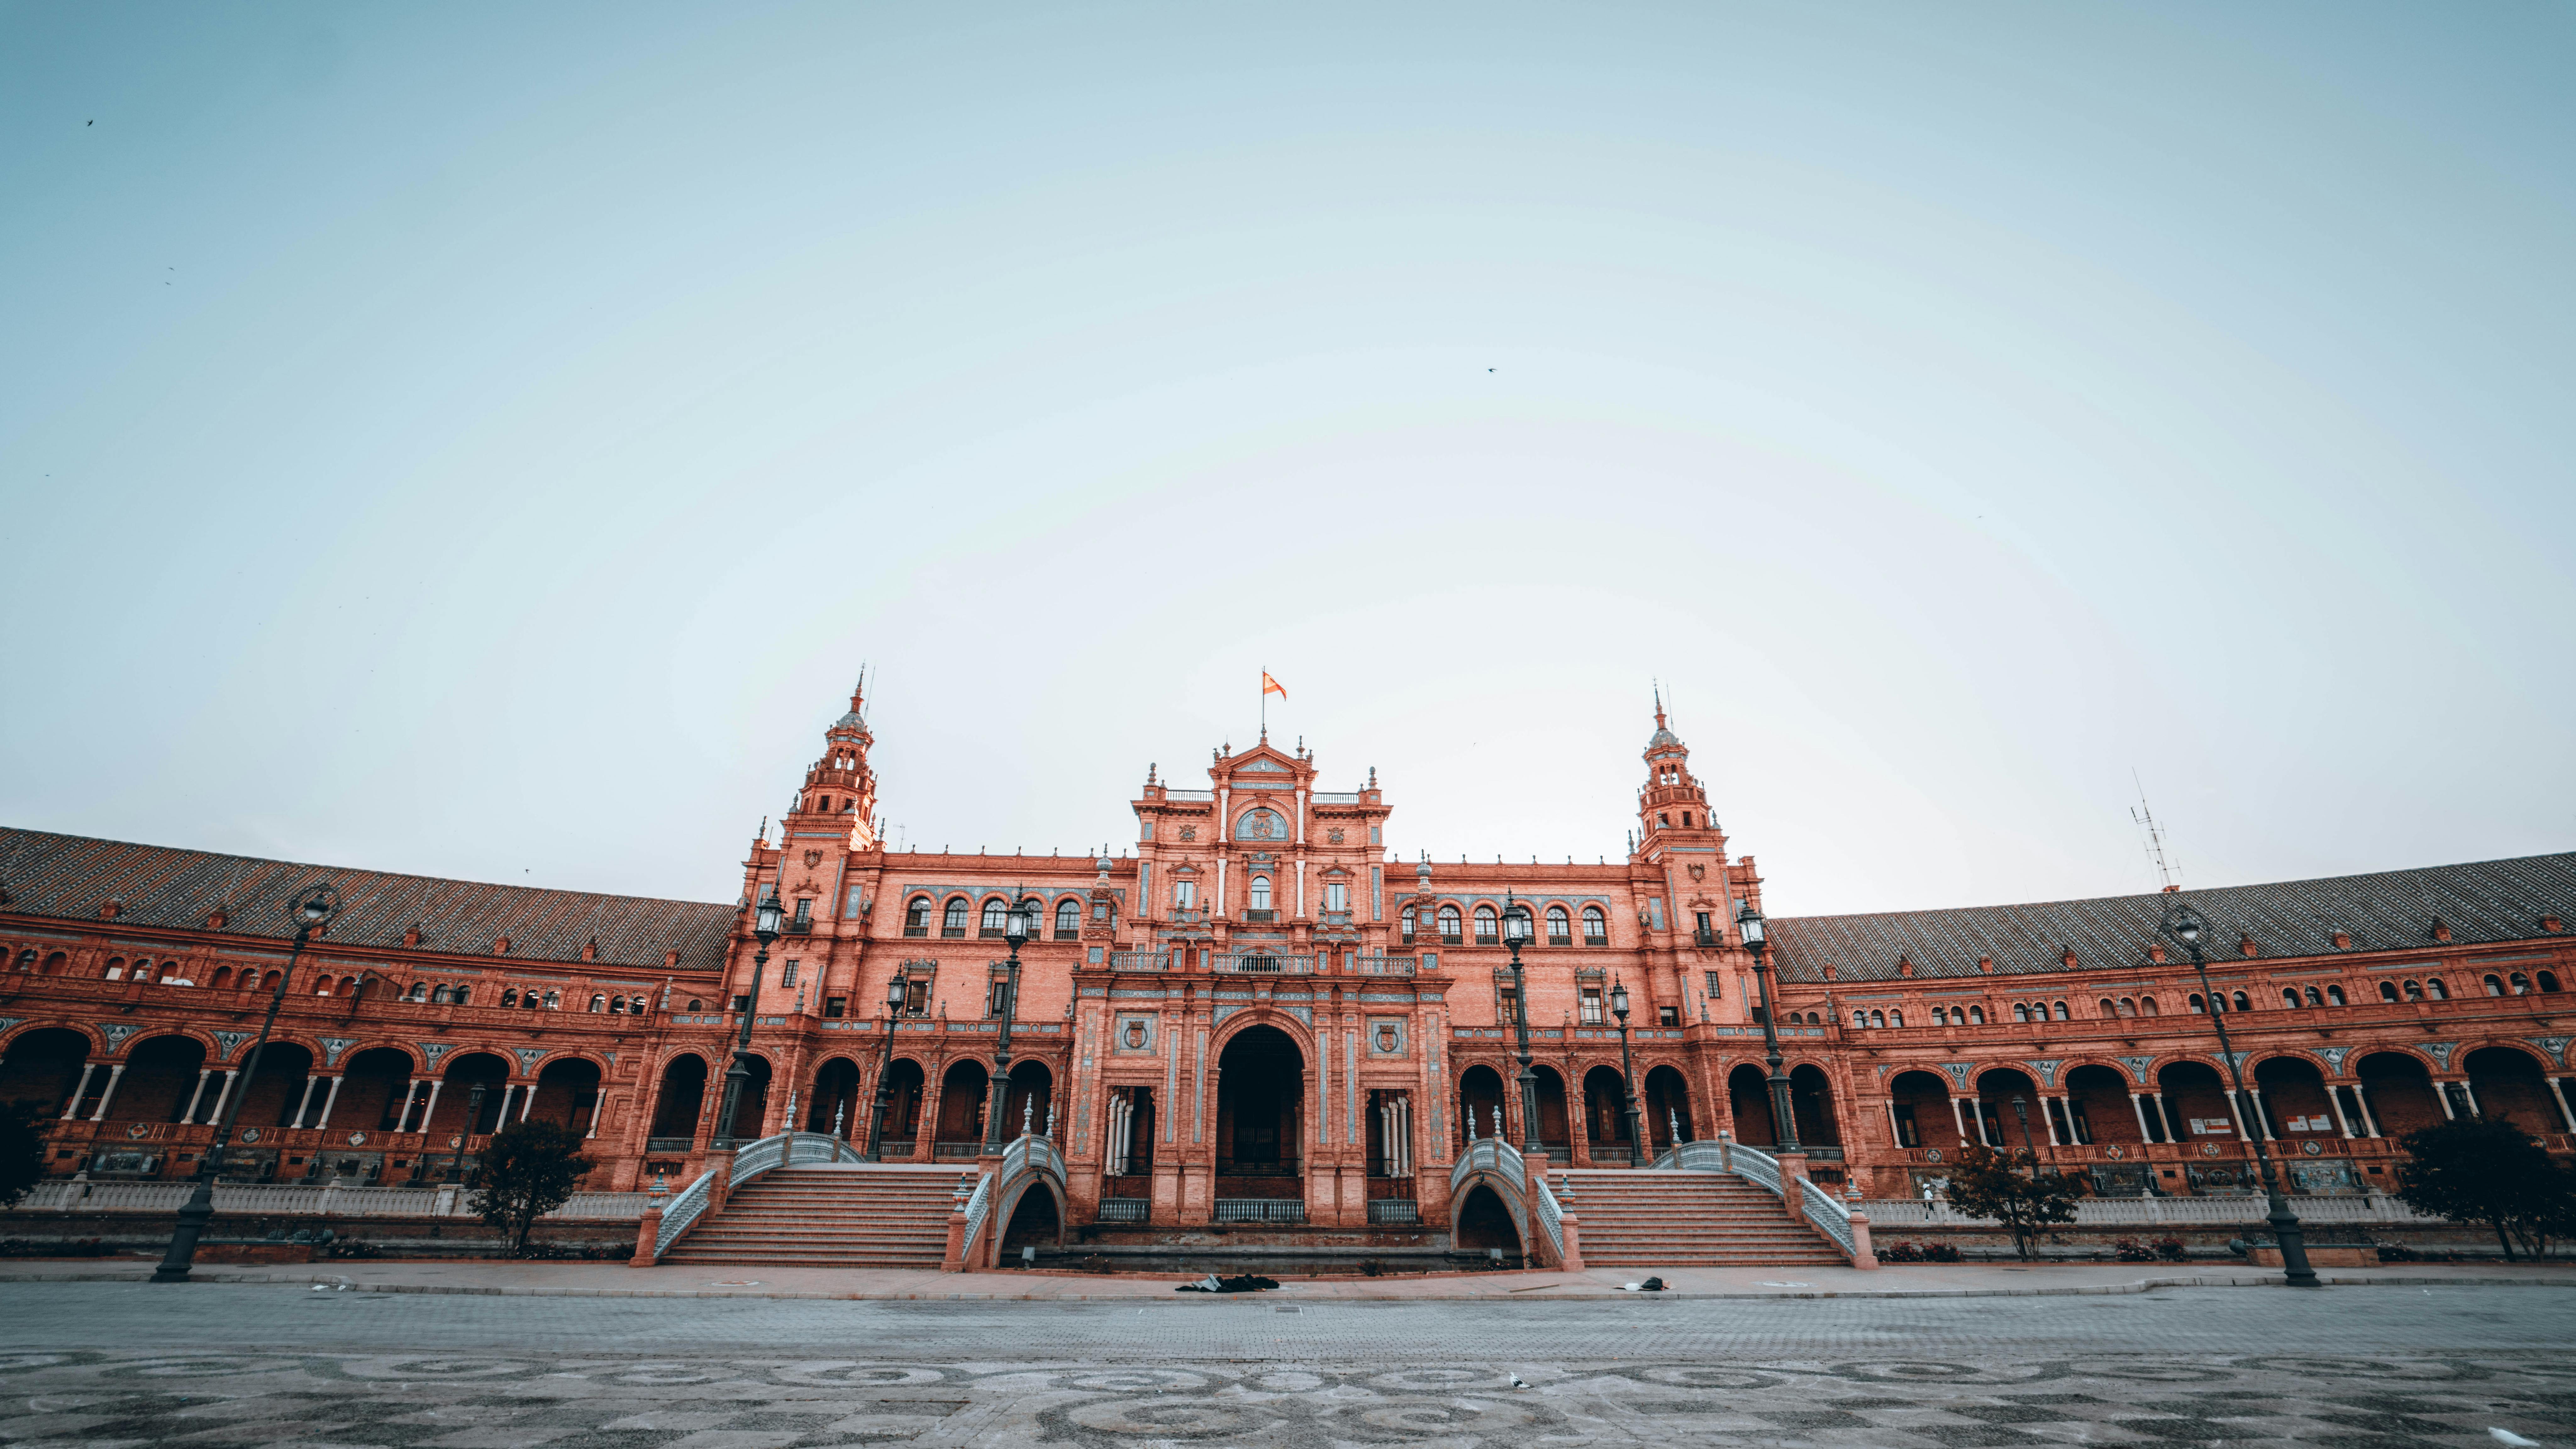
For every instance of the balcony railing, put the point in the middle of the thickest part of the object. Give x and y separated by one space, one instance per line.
1140 960
916 930
1062 934
1261 917
1337 797
1384 965
956 1149
1188 916
1451 939
1263 964
1596 940
800 927
1560 940
1394 1212
1125 1209
952 933
1260 1210
668 1144
1708 939
1483 938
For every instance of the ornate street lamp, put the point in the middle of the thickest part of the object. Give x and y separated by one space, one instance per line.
1516 934
473 1118
765 925
877 1115
309 909
1018 925
1748 923
1627 1072
2021 1109
2184 924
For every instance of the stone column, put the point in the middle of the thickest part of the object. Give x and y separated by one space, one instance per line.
528 1099
329 1099
2442 1092
1895 1129
71 1109
2558 1089
2140 1109
304 1104
2334 1096
1958 1119
223 1094
115 1074
2049 1118
429 1112
190 1116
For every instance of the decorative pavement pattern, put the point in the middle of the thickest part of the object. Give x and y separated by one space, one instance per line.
471 1401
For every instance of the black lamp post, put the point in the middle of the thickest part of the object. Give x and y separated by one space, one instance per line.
1627 1072
765 925
309 910
473 1119
2185 925
2021 1109
1748 922
1018 924
1516 932
877 1114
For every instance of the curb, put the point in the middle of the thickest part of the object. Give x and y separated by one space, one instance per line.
1576 1292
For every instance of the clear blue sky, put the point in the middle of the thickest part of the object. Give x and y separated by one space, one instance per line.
486 440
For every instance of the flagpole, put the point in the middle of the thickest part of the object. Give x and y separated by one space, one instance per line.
1265 704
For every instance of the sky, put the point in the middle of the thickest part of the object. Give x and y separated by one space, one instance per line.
489 440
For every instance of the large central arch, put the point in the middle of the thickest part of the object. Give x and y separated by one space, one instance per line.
1260 1114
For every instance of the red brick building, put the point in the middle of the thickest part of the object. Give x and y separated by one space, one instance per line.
1261 1000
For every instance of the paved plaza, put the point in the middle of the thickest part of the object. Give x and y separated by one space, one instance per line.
214 1364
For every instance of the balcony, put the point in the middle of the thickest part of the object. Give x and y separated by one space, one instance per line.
1336 918
1483 938
1261 1210
1188 916
916 930
1707 940
1384 965
1140 960
952 933
1264 964
667 1145
1394 1212
1260 917
1560 940
1447 939
1596 940
1125 1210
1062 934
801 926
988 933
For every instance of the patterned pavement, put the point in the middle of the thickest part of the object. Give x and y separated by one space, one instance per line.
100 1365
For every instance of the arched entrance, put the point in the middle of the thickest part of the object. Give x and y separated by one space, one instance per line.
1922 1114
1032 1094
2399 1092
1484 1222
373 1089
1748 1092
833 1105
2011 1128
567 1094
278 1090
463 1075
901 1137
1035 1222
160 1076
961 1110
1260 1115
1605 1119
676 1106
1667 1109
2293 1098
1811 1101
751 1113
2508 1086
1553 1129
1480 1104
43 1067
2098 1104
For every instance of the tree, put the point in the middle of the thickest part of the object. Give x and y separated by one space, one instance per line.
526 1171
2480 1170
22 1151
2010 1188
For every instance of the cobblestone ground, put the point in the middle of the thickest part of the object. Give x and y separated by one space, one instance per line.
120 1364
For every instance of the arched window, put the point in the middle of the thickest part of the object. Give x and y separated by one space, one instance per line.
1408 924
1560 927
1596 928
2334 994
1686 820
2290 997
617 1006
1451 929
1068 918
916 917
510 996
2495 984
2521 984
2548 980
438 996
996 910
1261 892
694 1006
2020 1012
952 921
2414 990
1860 1018
1976 1016
2146 1006
115 969
1896 1017
2196 1004
2128 1006
223 977
2388 991
2061 1012
599 1002
1487 929
2434 988
1877 1019
2108 1008
554 1001
2242 1004
1940 1016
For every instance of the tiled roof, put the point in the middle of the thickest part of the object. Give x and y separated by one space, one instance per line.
71 876
2488 901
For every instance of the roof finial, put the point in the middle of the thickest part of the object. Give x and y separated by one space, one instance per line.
1659 704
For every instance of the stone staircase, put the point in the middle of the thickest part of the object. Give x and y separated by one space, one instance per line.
1691 1220
871 1216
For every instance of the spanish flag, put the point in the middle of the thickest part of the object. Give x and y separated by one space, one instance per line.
1270 686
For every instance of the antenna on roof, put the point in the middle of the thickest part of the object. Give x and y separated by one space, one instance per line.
2154 833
